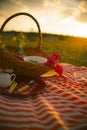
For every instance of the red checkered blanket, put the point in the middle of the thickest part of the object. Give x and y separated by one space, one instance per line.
61 106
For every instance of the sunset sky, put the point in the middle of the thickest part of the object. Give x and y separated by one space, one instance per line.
67 17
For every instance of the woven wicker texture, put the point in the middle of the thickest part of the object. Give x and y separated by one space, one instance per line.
8 61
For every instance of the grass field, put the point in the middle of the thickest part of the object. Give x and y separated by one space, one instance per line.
72 49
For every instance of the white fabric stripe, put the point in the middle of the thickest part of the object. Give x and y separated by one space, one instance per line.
16 107
23 120
41 112
66 116
40 104
41 107
18 119
65 91
38 101
18 113
60 103
80 126
14 99
72 118
33 125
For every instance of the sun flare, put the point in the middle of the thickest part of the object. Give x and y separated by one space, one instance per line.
59 17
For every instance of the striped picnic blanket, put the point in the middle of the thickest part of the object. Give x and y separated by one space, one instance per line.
61 106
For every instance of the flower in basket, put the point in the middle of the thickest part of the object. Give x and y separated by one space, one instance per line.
53 60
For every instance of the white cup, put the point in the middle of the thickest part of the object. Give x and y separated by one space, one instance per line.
6 79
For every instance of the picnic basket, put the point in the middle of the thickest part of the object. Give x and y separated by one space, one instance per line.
8 61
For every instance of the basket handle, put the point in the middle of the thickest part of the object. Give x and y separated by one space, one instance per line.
23 13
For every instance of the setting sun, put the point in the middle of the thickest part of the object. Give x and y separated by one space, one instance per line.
56 17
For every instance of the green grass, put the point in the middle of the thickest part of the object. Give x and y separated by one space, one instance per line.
72 49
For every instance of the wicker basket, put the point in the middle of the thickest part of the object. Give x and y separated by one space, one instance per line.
8 61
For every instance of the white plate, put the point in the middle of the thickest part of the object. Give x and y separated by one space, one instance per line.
35 59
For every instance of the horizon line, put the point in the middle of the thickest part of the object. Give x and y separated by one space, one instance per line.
48 33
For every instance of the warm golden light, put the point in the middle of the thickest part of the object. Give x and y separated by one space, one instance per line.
59 17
